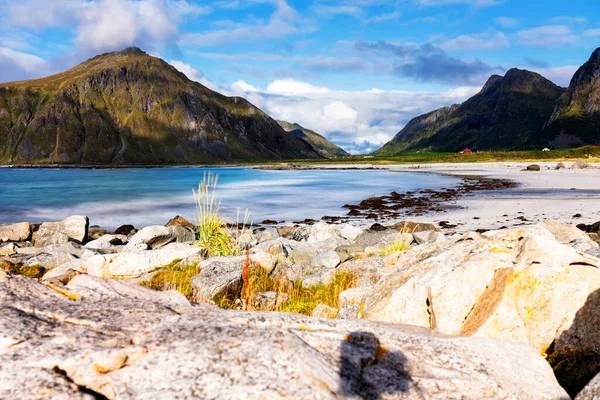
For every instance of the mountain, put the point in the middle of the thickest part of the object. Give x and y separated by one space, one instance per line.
576 117
323 146
504 115
127 108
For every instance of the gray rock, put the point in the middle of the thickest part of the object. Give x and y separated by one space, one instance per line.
327 259
533 167
580 164
428 237
569 234
60 347
350 232
379 240
560 166
323 277
182 234
50 261
269 301
56 238
93 287
353 296
152 236
324 311
219 276
591 391
268 234
15 232
348 311
8 249
106 242
368 270
326 236
75 227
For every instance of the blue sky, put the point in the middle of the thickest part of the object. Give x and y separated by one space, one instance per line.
355 70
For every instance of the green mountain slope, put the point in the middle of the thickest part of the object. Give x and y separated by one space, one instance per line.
576 117
323 146
129 107
503 115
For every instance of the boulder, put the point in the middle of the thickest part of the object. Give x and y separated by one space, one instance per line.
268 301
74 227
569 234
56 238
428 237
324 311
222 276
580 164
560 166
152 236
377 241
268 235
64 345
183 234
125 230
533 167
106 242
180 221
348 311
15 232
325 236
49 260
128 265
8 249
367 271
353 296
515 284
350 232
591 391
327 259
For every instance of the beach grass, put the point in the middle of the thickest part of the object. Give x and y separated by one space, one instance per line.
174 277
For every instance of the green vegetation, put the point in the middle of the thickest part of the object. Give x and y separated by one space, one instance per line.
395 247
213 234
301 300
174 277
323 146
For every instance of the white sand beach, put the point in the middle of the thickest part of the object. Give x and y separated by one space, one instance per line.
549 193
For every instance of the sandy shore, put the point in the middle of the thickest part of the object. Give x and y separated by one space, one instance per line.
549 193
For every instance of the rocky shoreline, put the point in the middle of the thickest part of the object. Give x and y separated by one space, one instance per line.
535 284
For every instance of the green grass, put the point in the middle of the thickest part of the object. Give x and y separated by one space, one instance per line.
174 277
395 247
213 234
302 300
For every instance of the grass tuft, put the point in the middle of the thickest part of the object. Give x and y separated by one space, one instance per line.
174 277
301 300
30 271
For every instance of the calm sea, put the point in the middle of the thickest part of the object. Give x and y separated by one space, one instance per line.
144 197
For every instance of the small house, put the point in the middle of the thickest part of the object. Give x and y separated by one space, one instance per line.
466 151
545 149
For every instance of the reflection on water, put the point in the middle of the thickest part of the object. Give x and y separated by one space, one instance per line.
153 196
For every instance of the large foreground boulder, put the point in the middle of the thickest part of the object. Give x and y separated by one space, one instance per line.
517 284
75 228
63 344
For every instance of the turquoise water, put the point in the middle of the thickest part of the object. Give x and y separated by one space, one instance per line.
144 197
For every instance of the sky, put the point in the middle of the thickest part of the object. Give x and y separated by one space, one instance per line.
355 71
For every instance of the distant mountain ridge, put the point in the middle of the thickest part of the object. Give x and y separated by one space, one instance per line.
130 108
323 146
504 115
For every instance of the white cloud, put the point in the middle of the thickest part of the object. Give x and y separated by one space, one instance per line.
473 3
561 76
591 33
283 22
243 86
506 22
359 121
290 87
193 74
15 65
483 41
549 36
103 25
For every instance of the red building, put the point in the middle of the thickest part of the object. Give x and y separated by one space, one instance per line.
466 151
